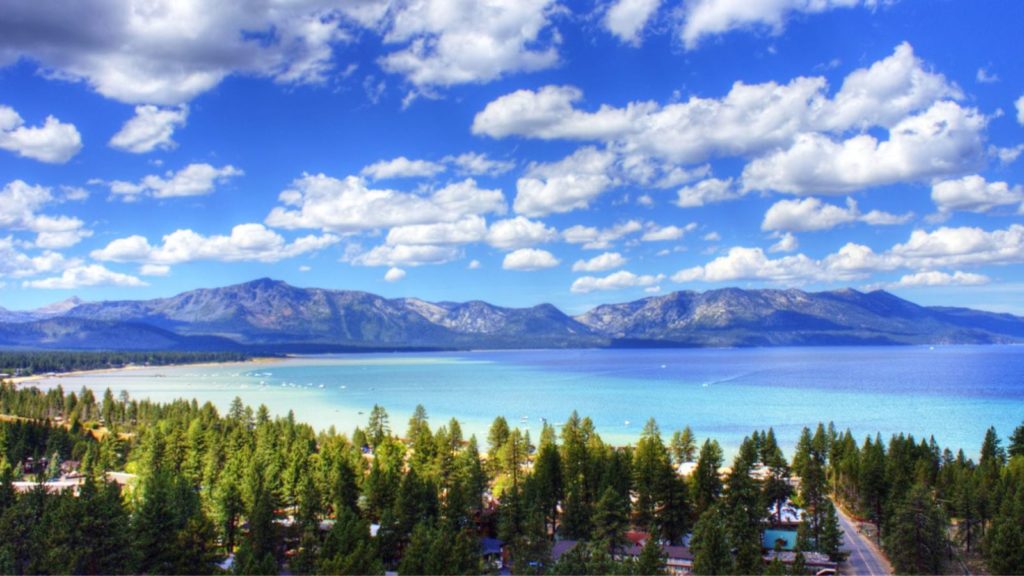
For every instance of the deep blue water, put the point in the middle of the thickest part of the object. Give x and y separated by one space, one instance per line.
951 392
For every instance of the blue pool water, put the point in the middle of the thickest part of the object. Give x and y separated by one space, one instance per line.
951 392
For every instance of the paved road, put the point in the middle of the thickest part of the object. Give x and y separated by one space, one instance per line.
864 558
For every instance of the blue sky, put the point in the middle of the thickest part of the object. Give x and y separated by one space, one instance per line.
518 151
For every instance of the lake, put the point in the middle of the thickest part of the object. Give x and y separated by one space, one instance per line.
951 392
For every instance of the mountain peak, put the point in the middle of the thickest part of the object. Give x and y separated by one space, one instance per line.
58 308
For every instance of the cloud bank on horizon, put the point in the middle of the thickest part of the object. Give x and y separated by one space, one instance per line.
515 151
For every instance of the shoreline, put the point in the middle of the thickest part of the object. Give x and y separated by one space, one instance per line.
21 380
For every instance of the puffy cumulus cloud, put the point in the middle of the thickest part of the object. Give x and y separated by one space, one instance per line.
348 205
750 264
1006 155
600 263
593 238
19 206
478 164
945 139
941 248
614 281
192 180
519 232
16 264
406 255
810 214
749 120
704 18
83 276
786 242
935 278
529 259
655 233
155 270
708 191
247 242
886 92
449 42
474 265
394 274
549 114
469 229
402 167
169 51
1019 104
626 19
54 142
566 185
946 247
151 128
974 194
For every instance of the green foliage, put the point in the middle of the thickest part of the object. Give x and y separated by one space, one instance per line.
712 551
915 540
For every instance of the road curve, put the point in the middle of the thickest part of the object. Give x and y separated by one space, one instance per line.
864 557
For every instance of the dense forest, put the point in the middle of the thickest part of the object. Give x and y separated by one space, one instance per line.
15 363
248 493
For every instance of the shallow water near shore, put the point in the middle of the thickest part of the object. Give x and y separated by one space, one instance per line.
951 392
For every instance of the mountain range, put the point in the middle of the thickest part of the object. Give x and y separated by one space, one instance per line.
273 316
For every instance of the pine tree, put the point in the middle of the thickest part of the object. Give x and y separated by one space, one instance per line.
651 559
712 552
707 485
611 519
831 537
915 541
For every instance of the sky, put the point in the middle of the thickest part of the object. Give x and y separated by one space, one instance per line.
513 151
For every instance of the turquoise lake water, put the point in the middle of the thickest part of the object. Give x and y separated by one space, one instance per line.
951 392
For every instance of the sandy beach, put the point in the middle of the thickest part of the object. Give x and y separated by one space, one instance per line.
19 380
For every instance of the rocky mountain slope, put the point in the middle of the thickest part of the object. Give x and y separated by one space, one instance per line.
274 316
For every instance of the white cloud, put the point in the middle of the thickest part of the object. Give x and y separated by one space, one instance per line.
1007 155
402 167
83 276
945 139
305 268
394 274
655 233
192 180
519 232
593 238
941 248
247 242
712 237
568 184
614 281
600 263
985 77
348 205
933 278
449 42
703 18
474 265
19 206
973 194
626 19
810 214
709 191
168 52
152 127
54 142
749 120
477 164
528 259
154 270
406 255
1019 104
786 243
469 229
16 264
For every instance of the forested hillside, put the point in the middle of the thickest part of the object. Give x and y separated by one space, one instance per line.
273 494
